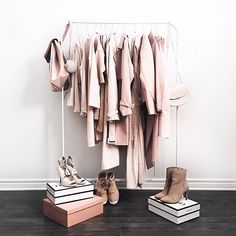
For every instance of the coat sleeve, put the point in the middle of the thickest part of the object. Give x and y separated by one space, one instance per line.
147 77
162 94
127 75
112 113
93 83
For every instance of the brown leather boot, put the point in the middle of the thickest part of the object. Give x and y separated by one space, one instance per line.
179 186
113 192
166 189
102 183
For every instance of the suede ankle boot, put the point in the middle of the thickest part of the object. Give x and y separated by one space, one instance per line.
113 192
179 186
101 186
166 189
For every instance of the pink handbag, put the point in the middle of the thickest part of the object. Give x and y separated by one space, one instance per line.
58 73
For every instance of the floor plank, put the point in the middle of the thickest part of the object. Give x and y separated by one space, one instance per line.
21 214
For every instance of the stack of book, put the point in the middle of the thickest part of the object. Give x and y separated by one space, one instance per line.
71 205
177 213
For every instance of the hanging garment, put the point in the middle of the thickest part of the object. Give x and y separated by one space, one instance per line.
99 129
84 78
127 75
162 95
157 125
147 78
93 90
126 72
99 113
110 152
162 92
77 92
112 89
58 73
135 161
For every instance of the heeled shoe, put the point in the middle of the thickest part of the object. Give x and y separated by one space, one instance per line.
166 189
65 178
113 192
179 187
71 168
101 186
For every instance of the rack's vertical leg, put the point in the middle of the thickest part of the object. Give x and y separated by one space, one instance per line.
176 138
62 122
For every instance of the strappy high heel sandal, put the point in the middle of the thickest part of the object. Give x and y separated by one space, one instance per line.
65 178
72 170
101 186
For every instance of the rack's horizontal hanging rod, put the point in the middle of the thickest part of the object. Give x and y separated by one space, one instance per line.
121 23
124 23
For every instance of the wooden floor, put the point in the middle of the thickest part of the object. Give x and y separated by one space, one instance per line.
21 214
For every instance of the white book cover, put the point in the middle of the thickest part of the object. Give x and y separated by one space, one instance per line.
57 190
174 219
178 209
70 198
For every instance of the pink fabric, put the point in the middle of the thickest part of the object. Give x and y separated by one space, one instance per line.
147 75
162 89
135 160
84 78
110 152
77 93
58 73
126 73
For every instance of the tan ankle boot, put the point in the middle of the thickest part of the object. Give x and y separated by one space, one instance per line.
113 192
166 189
102 183
179 186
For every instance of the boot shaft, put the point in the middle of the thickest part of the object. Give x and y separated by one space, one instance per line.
169 172
179 175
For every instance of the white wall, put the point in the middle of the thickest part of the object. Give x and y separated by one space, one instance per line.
30 113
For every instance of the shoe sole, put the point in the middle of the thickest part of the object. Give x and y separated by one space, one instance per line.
114 203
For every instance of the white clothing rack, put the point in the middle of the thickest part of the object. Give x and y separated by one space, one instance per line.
168 24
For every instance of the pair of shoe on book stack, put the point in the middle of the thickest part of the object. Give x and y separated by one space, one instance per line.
72 186
169 203
176 186
67 172
106 188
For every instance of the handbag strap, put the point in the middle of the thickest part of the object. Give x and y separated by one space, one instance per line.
67 33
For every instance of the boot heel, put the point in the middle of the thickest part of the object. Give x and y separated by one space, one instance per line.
186 194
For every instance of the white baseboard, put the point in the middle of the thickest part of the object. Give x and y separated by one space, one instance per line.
151 183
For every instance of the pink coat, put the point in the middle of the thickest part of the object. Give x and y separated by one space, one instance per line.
158 120
126 73
110 152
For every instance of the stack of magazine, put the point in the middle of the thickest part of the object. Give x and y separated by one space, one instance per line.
177 213
59 194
